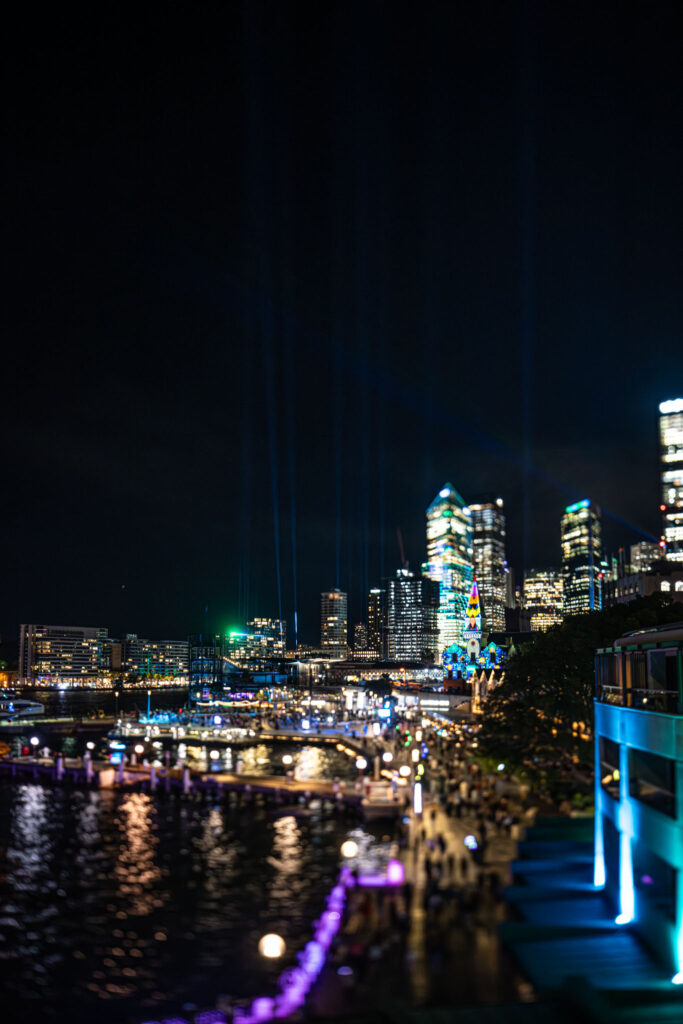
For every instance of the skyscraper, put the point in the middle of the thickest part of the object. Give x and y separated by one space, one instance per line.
450 560
644 554
581 532
488 544
377 623
412 617
544 597
671 438
334 638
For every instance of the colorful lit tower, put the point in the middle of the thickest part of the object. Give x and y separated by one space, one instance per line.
473 625
450 560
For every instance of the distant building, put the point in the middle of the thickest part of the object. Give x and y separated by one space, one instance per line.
490 565
274 630
360 638
412 617
644 554
450 561
581 532
671 438
544 597
334 626
665 578
63 655
209 667
151 658
377 623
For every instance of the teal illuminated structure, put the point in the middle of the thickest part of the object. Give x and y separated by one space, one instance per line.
472 654
639 786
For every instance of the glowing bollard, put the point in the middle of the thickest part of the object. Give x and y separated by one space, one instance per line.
187 782
88 770
122 763
60 767
152 779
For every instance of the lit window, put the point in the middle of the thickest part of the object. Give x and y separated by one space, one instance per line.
665 585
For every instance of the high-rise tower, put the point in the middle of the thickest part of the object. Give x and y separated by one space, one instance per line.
412 615
377 623
488 543
671 438
334 629
581 556
450 560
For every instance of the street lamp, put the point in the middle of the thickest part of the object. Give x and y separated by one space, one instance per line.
116 694
349 849
387 757
287 758
149 704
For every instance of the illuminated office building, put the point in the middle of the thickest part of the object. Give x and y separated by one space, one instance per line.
412 617
273 630
643 555
377 623
581 533
671 438
63 655
334 628
450 561
544 597
153 658
360 638
263 642
488 545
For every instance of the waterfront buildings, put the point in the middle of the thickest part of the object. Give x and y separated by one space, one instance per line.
377 623
639 786
450 561
161 659
273 630
671 439
544 597
334 627
412 617
490 565
581 533
208 665
63 655
360 639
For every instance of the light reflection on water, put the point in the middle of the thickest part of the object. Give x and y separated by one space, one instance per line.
117 908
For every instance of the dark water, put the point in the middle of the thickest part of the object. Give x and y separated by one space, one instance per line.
115 908
81 703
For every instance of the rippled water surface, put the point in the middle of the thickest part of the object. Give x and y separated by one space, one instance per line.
117 908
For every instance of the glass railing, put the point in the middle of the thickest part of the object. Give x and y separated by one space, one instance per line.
661 701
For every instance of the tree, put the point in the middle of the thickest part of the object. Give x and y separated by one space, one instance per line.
539 719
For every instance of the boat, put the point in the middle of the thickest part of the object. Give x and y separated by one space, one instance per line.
12 708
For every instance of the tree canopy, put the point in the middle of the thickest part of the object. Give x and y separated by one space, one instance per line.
542 713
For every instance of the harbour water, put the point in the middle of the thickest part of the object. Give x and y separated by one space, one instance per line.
118 908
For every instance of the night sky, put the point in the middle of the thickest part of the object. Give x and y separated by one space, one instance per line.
276 271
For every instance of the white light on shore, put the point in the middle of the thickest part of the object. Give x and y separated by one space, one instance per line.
271 946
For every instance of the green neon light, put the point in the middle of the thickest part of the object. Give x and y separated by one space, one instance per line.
577 505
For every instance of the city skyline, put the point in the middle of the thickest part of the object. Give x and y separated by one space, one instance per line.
238 366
